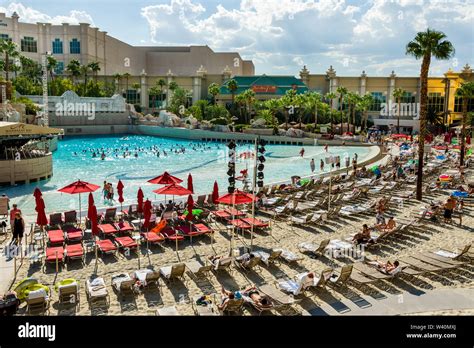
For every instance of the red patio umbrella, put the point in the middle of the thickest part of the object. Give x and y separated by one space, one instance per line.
236 198
215 193
247 155
165 179
79 187
174 190
41 219
190 183
468 140
120 193
190 216
140 200
147 213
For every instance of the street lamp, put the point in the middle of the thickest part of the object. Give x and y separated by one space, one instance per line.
44 63
233 123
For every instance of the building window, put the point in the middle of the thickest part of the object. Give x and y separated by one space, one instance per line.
132 96
59 70
75 46
408 98
436 102
458 104
29 44
159 100
57 46
5 37
379 99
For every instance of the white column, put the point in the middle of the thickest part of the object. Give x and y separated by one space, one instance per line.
197 86
143 90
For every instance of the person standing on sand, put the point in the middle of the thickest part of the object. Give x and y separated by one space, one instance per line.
312 165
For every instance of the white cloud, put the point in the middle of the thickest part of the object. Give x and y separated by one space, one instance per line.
30 15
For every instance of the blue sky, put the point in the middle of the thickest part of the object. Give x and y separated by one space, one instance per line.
280 36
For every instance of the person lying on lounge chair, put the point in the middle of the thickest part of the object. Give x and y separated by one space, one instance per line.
258 299
387 268
244 260
303 282
227 296
362 237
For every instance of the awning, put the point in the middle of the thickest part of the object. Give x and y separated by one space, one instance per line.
16 129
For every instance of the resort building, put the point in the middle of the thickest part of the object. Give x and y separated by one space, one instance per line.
193 68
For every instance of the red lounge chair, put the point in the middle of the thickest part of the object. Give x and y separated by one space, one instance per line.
56 237
126 242
241 224
54 252
256 222
124 227
152 237
235 212
171 234
74 234
74 252
189 232
222 214
202 228
106 246
107 229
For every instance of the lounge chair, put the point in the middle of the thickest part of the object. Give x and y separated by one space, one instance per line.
453 255
269 258
126 243
200 201
341 278
70 217
106 246
278 297
257 306
313 249
69 293
124 227
233 306
56 237
107 229
152 278
435 262
172 235
173 272
55 219
197 269
223 264
426 267
207 310
222 215
37 302
289 256
202 228
444 259
53 254
153 238
123 284
257 223
74 234
74 252
110 215
235 213
96 292
249 265
300 220
167 311
294 286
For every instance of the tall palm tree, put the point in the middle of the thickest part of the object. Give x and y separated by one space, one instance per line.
85 70
154 91
341 91
9 50
351 99
466 92
427 44
172 86
330 96
136 87
232 86
74 70
214 91
162 84
312 104
249 97
126 76
363 105
398 94
52 65
95 68
273 105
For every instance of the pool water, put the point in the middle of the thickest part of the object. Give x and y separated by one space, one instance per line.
206 161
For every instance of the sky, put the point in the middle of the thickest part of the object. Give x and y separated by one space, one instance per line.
280 36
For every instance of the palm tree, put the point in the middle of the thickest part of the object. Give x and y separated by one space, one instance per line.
425 45
273 106
136 87
249 98
351 100
232 86
9 50
52 64
213 90
341 91
126 76
363 105
398 94
154 91
74 69
312 103
466 92
330 96
95 68
117 77
161 83
84 69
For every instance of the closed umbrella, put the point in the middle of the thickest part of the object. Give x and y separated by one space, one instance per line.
147 213
41 219
120 193
190 183
140 200
190 216
79 187
215 193
90 203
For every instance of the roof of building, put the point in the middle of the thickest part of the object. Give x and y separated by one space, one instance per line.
22 129
277 85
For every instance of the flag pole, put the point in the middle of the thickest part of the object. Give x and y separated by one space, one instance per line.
253 193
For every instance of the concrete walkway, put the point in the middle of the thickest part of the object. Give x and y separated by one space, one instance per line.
405 303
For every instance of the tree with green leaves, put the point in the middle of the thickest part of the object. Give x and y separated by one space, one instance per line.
232 86
273 106
74 70
466 93
363 105
162 84
52 65
85 70
9 50
126 76
341 92
94 68
425 45
351 99
214 91
154 91
330 96
398 94
249 100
